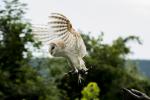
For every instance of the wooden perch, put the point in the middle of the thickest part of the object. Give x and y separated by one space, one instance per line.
132 94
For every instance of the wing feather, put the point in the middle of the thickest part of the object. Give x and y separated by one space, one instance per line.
60 28
42 34
73 40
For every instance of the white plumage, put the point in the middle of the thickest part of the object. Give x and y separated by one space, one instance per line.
63 41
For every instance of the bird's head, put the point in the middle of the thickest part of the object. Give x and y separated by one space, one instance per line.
56 48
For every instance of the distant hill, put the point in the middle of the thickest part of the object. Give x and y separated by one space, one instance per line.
144 66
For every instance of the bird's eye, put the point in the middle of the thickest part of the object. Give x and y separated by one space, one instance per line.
52 47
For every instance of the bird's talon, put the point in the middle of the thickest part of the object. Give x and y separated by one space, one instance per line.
86 73
72 72
80 78
83 72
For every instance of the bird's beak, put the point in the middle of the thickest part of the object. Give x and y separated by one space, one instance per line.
52 53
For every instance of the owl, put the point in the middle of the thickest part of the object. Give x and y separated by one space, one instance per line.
64 41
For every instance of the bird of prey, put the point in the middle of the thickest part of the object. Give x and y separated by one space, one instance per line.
64 41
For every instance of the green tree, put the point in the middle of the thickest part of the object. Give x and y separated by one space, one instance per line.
90 92
19 80
108 68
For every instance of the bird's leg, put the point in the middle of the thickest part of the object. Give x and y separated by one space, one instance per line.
76 70
73 71
83 72
80 78
83 69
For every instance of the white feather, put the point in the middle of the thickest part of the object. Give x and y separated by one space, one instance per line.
69 43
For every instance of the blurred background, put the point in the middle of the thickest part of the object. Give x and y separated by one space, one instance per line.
116 33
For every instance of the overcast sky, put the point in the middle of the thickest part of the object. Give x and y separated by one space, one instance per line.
113 17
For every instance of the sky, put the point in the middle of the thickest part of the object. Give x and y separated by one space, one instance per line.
113 17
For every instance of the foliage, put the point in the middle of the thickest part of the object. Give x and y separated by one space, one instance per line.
18 79
91 92
44 79
108 68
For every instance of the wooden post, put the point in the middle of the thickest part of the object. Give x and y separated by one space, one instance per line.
132 94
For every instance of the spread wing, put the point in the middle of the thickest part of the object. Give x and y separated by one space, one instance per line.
43 34
63 28
60 28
